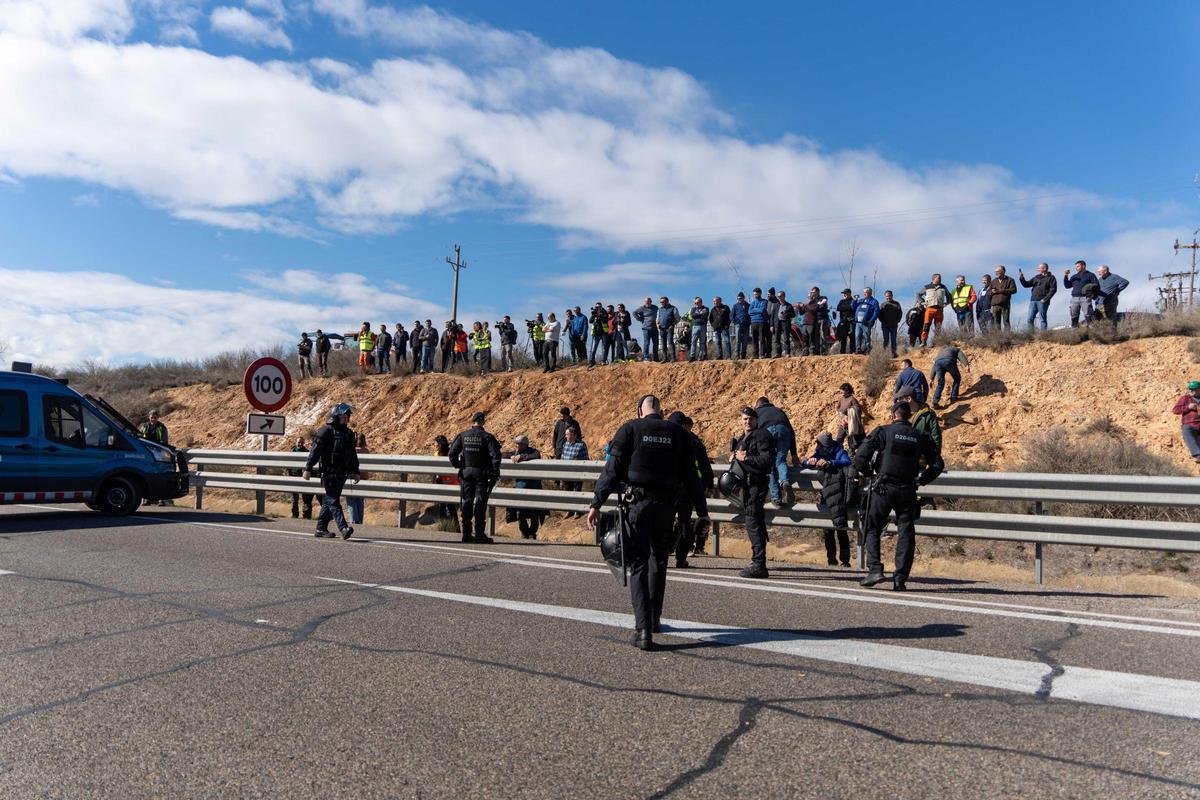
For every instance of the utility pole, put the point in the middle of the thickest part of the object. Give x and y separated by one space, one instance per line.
1172 297
458 264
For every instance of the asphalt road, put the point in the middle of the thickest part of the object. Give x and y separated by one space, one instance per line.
189 654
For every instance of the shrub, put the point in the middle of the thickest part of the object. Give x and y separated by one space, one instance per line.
876 371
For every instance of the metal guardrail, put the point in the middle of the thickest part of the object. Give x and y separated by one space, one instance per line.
1036 528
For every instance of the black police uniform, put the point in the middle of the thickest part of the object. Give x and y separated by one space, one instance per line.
760 460
475 453
334 455
898 448
308 498
686 532
655 459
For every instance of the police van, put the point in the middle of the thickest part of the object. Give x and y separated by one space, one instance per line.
58 446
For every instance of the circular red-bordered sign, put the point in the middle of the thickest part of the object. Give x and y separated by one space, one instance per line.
268 384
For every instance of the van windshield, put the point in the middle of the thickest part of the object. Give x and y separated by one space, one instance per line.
117 416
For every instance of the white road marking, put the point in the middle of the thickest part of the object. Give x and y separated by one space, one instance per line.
967 606
1170 696
6 572
1170 627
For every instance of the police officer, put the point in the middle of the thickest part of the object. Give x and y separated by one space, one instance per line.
333 450
894 454
475 453
654 459
686 539
754 451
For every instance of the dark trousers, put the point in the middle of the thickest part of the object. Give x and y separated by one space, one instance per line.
474 494
323 362
331 503
308 504
845 337
550 354
1000 316
783 338
761 339
684 533
539 349
812 333
756 522
886 498
840 553
743 336
650 531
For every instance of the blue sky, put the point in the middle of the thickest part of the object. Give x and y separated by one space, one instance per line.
181 177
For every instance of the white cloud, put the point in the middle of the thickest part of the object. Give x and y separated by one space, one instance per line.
111 318
88 199
63 20
635 276
240 24
272 8
611 153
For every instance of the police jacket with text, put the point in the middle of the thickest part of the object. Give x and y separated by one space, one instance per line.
333 450
654 454
475 453
894 452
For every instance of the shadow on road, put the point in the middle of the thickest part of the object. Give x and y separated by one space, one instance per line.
723 637
58 520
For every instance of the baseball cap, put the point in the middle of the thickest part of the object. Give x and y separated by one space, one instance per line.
904 392
1194 384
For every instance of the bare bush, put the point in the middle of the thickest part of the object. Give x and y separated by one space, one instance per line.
1194 349
876 370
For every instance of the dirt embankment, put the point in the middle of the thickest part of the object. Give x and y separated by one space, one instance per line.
1008 397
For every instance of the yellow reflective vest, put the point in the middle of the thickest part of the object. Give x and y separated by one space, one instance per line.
366 342
962 297
482 340
539 333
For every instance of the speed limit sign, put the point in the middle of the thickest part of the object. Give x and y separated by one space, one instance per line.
268 384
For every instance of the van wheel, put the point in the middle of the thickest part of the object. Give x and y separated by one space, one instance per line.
118 497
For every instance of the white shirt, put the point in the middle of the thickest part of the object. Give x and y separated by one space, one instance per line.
553 330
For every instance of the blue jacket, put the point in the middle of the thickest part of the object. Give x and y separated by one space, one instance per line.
866 311
836 455
579 326
647 316
757 310
1077 280
1112 285
667 317
911 376
739 313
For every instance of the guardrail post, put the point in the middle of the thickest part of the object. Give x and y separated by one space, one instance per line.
260 496
492 521
716 537
403 506
1037 548
199 492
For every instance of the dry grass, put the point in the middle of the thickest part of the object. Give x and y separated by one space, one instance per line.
876 371
1194 349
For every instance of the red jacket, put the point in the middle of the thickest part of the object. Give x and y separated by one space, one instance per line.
1191 417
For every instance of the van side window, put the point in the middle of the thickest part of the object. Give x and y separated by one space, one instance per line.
64 420
99 434
14 413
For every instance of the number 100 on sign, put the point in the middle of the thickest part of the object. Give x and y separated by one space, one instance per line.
268 384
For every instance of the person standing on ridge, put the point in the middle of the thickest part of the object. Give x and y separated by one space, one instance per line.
962 300
1043 287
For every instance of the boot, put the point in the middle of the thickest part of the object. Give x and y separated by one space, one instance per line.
898 582
873 579
756 571
321 533
482 539
347 532
643 640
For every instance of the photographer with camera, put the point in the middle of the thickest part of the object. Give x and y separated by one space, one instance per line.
537 334
601 338
507 333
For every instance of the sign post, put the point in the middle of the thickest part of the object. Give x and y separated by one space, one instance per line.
268 387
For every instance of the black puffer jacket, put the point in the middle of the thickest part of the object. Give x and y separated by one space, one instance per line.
835 495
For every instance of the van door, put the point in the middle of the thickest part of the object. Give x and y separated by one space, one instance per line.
18 447
65 466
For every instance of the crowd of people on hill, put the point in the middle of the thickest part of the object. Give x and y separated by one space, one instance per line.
760 326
